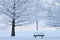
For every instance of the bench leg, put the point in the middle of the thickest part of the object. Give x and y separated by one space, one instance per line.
42 36
35 37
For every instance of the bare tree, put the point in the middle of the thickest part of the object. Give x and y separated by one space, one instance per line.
16 10
53 14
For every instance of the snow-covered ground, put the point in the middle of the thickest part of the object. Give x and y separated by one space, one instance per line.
30 38
28 35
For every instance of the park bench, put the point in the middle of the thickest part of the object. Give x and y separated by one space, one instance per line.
38 34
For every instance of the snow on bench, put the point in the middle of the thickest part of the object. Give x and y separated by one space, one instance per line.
38 34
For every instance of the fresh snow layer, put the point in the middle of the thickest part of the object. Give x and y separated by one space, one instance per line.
28 35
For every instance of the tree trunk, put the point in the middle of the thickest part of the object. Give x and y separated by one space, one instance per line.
36 25
13 27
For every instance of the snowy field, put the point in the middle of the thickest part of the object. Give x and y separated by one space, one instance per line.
29 36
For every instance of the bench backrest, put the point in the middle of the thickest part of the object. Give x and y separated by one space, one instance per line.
39 33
